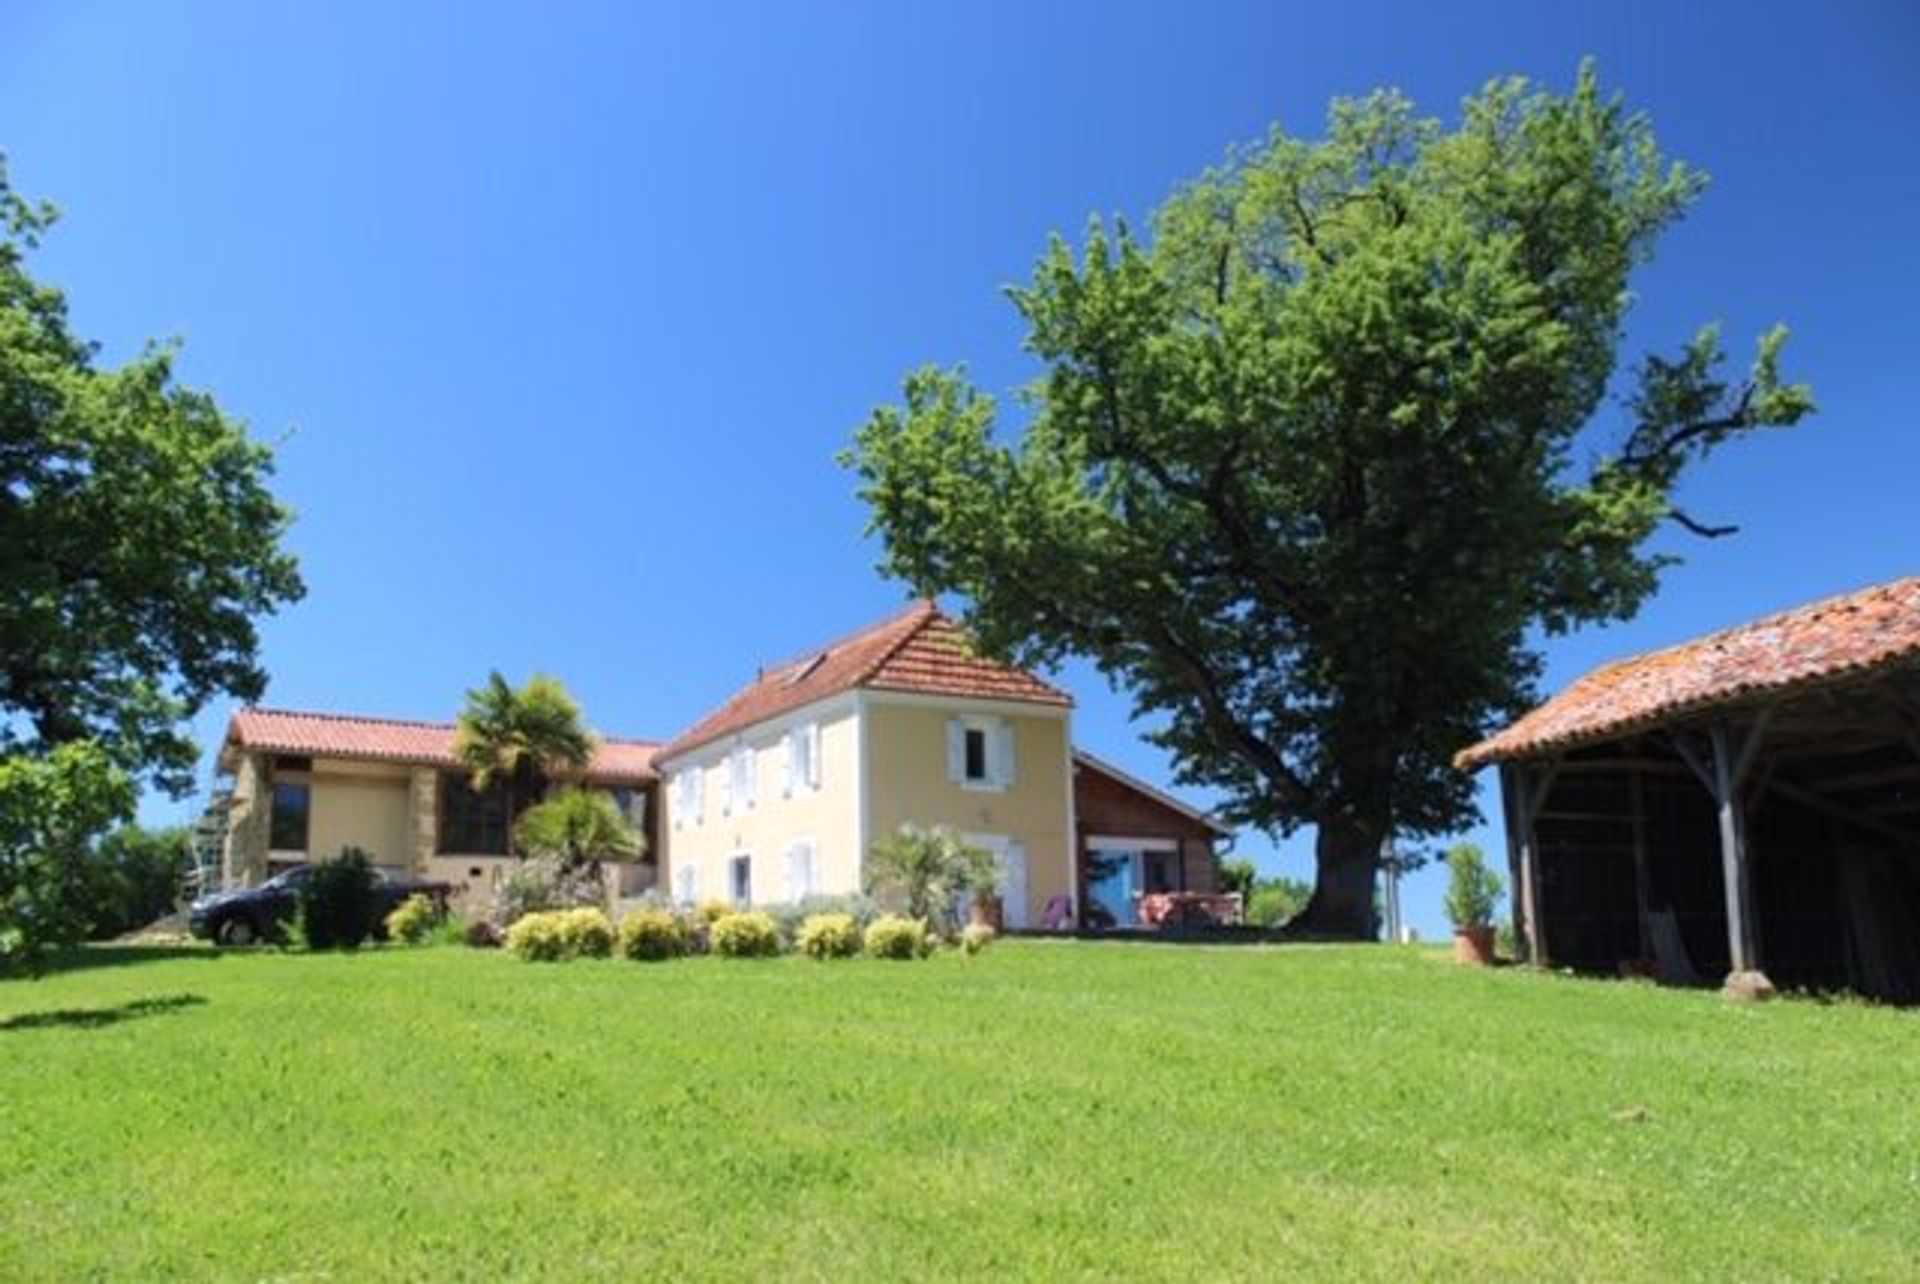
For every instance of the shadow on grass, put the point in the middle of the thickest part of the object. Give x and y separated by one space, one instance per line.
93 1018
85 958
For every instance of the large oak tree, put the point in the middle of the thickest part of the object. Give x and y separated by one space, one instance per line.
1302 470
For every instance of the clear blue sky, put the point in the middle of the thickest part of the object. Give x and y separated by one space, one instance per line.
560 312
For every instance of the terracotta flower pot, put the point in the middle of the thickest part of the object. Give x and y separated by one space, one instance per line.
1473 945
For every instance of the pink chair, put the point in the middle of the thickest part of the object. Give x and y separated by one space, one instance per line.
1058 915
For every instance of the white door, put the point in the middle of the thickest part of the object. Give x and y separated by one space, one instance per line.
1010 860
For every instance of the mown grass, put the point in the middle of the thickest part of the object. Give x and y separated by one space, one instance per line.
1047 1110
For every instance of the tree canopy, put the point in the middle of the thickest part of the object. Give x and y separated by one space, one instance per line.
521 738
1305 463
138 538
578 827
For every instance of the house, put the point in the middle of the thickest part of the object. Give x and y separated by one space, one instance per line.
306 785
1747 803
776 795
779 792
1134 843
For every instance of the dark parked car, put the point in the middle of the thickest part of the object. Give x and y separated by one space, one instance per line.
250 914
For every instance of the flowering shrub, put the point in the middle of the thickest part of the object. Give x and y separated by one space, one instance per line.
543 884
750 935
710 912
651 935
976 937
895 936
558 935
413 920
829 936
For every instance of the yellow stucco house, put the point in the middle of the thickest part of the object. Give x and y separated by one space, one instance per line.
779 793
776 795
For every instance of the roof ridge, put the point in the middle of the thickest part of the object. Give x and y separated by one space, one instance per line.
348 717
929 612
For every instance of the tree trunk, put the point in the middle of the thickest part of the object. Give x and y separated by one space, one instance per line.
1347 862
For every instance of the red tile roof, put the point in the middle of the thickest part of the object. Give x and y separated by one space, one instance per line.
918 650
1837 638
332 735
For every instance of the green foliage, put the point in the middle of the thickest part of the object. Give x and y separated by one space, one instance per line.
340 903
928 873
559 936
975 937
577 827
138 539
1239 876
1473 888
654 935
829 936
134 876
414 920
1275 900
1304 469
521 738
542 884
896 936
745 935
52 807
791 916
711 911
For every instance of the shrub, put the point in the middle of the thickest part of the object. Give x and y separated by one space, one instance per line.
651 935
484 934
1473 890
792 916
554 936
1275 900
339 905
711 912
450 929
746 935
895 936
413 920
543 885
929 872
829 936
976 937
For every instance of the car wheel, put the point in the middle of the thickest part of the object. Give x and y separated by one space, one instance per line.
238 931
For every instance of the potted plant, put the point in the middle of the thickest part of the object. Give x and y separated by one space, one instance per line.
1473 891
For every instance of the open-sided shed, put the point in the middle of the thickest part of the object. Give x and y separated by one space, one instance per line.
1745 803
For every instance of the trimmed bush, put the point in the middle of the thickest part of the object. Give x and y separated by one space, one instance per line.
339 905
829 936
652 935
895 936
976 937
749 935
710 912
790 916
542 885
484 934
413 920
558 935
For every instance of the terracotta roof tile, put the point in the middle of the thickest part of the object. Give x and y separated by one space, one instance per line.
332 735
1839 637
918 650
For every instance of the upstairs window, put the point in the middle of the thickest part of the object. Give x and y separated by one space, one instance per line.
739 780
803 758
288 819
686 797
980 753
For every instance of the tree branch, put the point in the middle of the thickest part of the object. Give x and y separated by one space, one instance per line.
1700 528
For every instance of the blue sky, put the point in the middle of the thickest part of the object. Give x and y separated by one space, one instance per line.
560 312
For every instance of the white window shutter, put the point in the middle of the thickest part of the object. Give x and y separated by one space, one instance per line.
697 812
813 755
1003 766
746 776
727 769
956 749
808 885
791 745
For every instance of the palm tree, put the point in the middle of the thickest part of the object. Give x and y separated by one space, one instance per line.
521 739
928 871
578 827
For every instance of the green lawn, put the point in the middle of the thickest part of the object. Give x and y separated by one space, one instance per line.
1048 1110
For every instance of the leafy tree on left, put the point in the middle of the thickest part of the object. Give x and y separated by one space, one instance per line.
138 544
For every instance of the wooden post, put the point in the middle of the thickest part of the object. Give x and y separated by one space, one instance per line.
1642 901
1524 791
1509 813
1732 758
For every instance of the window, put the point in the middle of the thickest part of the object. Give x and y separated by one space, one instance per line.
980 753
976 766
740 875
799 872
739 779
803 758
686 884
287 825
686 797
473 822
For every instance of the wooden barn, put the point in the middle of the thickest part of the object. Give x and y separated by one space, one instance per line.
1747 803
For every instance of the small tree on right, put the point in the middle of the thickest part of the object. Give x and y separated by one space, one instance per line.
1306 469
928 872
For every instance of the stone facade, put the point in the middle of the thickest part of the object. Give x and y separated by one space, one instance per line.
423 817
245 860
